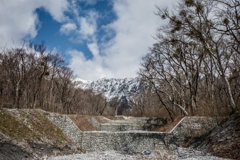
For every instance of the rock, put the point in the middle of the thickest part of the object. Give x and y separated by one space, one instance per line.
146 152
223 140
189 154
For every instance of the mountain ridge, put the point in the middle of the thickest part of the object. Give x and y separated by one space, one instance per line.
113 87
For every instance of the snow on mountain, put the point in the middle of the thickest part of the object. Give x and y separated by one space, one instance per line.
82 80
113 87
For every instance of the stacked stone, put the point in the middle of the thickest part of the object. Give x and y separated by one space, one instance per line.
68 127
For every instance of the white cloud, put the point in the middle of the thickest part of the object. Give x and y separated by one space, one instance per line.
134 29
86 28
56 9
88 69
67 28
74 7
19 19
93 47
16 22
88 25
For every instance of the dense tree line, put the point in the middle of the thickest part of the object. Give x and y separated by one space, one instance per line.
194 67
31 77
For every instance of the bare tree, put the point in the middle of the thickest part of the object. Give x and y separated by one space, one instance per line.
32 77
196 22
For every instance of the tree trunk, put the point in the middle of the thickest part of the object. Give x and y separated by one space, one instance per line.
116 110
16 104
226 83
229 94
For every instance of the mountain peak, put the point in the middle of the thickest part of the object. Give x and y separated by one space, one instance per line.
113 87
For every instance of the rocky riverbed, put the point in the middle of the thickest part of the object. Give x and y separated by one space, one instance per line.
179 153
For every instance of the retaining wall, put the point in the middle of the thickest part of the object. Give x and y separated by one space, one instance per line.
135 141
67 126
138 141
123 141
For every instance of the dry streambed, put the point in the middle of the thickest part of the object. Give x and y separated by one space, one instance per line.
178 154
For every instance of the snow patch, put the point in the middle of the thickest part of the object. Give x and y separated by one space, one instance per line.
113 87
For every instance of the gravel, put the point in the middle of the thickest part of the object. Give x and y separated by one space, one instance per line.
179 153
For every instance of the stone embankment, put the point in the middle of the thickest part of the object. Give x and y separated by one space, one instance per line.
67 126
130 135
138 141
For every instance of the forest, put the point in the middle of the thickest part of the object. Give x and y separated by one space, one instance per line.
192 69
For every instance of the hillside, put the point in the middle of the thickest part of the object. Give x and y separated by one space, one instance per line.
29 133
223 140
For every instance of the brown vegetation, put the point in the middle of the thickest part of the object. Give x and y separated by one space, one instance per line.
82 123
168 127
110 117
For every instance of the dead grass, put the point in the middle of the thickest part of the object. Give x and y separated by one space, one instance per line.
97 119
120 117
115 118
110 117
82 123
168 127
31 126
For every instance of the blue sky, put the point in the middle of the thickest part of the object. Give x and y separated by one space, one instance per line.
101 38
49 29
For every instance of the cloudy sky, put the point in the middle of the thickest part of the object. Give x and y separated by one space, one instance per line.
101 38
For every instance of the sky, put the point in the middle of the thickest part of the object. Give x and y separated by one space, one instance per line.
100 38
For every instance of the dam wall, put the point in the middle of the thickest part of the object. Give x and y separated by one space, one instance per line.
133 140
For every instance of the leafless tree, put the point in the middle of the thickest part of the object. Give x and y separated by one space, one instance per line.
32 77
195 21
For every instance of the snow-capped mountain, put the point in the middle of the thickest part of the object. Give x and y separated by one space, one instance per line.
113 87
